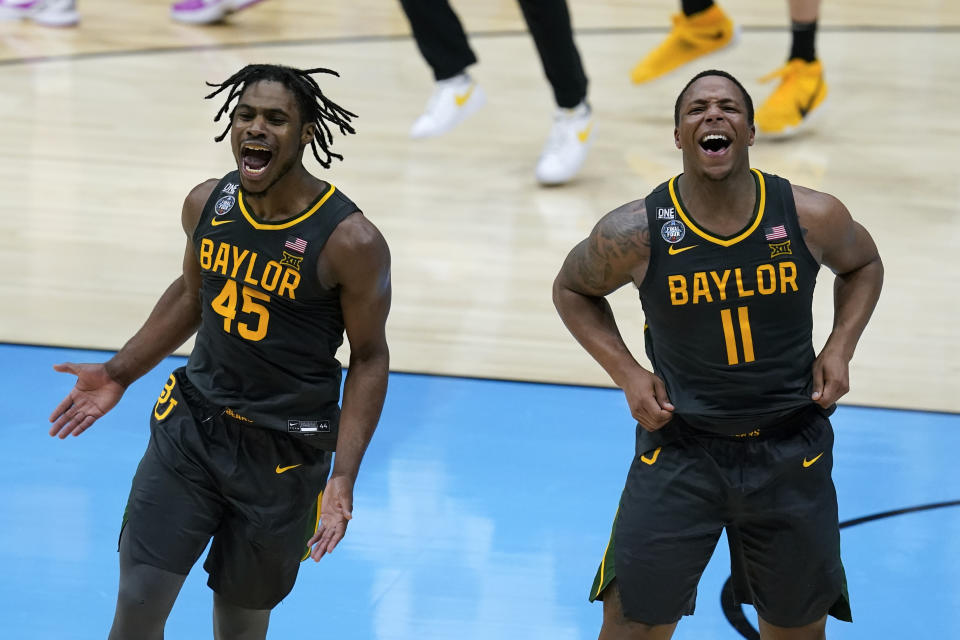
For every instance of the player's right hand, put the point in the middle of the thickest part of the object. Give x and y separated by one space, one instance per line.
94 394
647 398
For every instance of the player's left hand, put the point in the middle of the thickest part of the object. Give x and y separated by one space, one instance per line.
831 377
336 510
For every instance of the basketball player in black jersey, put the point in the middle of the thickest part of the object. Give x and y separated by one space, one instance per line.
278 265
732 421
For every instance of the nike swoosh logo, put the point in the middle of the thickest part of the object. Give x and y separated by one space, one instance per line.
462 98
282 469
805 109
217 222
807 463
717 35
584 135
653 458
674 251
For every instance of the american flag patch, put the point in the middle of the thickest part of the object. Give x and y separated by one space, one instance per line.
776 233
300 245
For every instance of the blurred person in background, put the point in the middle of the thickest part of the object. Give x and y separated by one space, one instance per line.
703 27
456 96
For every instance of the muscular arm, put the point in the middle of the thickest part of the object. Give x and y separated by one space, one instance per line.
616 252
174 318
358 259
845 247
176 315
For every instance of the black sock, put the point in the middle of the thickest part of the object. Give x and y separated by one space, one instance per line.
804 36
691 7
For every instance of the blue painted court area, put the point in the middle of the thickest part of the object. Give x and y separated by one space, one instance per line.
482 510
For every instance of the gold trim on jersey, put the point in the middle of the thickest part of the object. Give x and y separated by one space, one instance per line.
289 223
761 205
602 578
306 554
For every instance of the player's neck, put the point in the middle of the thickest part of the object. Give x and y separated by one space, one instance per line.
720 205
288 196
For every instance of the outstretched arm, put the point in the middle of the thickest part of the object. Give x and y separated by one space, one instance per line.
845 247
358 259
616 252
174 318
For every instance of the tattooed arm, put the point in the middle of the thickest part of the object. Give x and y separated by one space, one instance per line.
616 252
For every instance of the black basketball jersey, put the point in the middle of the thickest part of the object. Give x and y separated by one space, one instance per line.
267 343
728 319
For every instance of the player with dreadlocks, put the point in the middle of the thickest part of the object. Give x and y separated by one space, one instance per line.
314 106
278 265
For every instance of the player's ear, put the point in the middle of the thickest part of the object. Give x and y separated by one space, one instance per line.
307 132
753 134
676 137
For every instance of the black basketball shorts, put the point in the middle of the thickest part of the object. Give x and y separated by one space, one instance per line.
255 491
774 494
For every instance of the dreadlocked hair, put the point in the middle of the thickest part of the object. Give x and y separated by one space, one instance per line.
314 106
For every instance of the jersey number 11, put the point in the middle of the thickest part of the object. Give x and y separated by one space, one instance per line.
726 316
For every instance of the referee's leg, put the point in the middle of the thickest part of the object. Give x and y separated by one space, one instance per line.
439 36
549 24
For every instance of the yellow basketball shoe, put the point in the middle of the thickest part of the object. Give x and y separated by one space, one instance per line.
802 90
691 37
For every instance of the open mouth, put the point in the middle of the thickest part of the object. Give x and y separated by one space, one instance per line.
714 143
254 158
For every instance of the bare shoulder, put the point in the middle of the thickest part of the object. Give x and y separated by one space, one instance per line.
622 236
616 252
193 204
357 235
625 227
356 248
831 234
817 210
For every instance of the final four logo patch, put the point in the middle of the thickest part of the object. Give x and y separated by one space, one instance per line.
673 231
224 205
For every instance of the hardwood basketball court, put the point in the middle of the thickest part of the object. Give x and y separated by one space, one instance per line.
106 131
